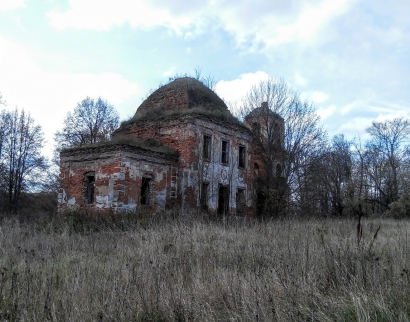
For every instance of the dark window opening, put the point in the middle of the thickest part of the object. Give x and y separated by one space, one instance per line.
256 170
223 200
260 206
204 195
256 127
278 170
145 191
207 147
90 188
242 156
240 201
225 152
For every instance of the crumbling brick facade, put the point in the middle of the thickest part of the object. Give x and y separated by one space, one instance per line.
116 173
182 149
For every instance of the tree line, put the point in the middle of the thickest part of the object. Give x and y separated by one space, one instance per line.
339 177
24 171
315 176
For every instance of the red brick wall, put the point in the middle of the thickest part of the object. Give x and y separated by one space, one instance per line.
118 180
176 183
186 135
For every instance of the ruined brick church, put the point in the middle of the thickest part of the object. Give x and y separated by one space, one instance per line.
183 149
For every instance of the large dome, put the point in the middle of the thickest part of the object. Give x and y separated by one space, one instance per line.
182 93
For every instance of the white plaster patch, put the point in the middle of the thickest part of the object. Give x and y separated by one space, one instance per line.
131 202
71 201
161 198
130 207
102 176
110 191
115 194
119 176
62 197
101 199
102 190
159 176
134 172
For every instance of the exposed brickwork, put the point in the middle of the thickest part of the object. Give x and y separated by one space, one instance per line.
121 171
118 179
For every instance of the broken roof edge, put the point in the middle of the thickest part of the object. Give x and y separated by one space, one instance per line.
136 144
222 117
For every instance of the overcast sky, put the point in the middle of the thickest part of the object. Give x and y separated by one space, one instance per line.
350 58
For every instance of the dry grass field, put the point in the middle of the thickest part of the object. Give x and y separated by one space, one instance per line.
197 270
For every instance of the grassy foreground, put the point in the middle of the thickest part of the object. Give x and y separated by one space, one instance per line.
193 270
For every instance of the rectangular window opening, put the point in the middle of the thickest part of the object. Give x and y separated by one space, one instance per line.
204 195
240 201
145 191
207 147
90 188
256 170
225 152
242 156
223 200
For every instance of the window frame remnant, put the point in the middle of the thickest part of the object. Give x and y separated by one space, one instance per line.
145 191
225 152
241 156
207 145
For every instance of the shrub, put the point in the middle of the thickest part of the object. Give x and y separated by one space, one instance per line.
400 208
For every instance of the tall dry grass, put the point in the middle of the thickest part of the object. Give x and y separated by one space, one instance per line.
193 270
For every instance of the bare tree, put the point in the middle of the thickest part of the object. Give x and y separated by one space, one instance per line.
294 145
91 121
336 176
3 168
3 125
386 157
21 157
